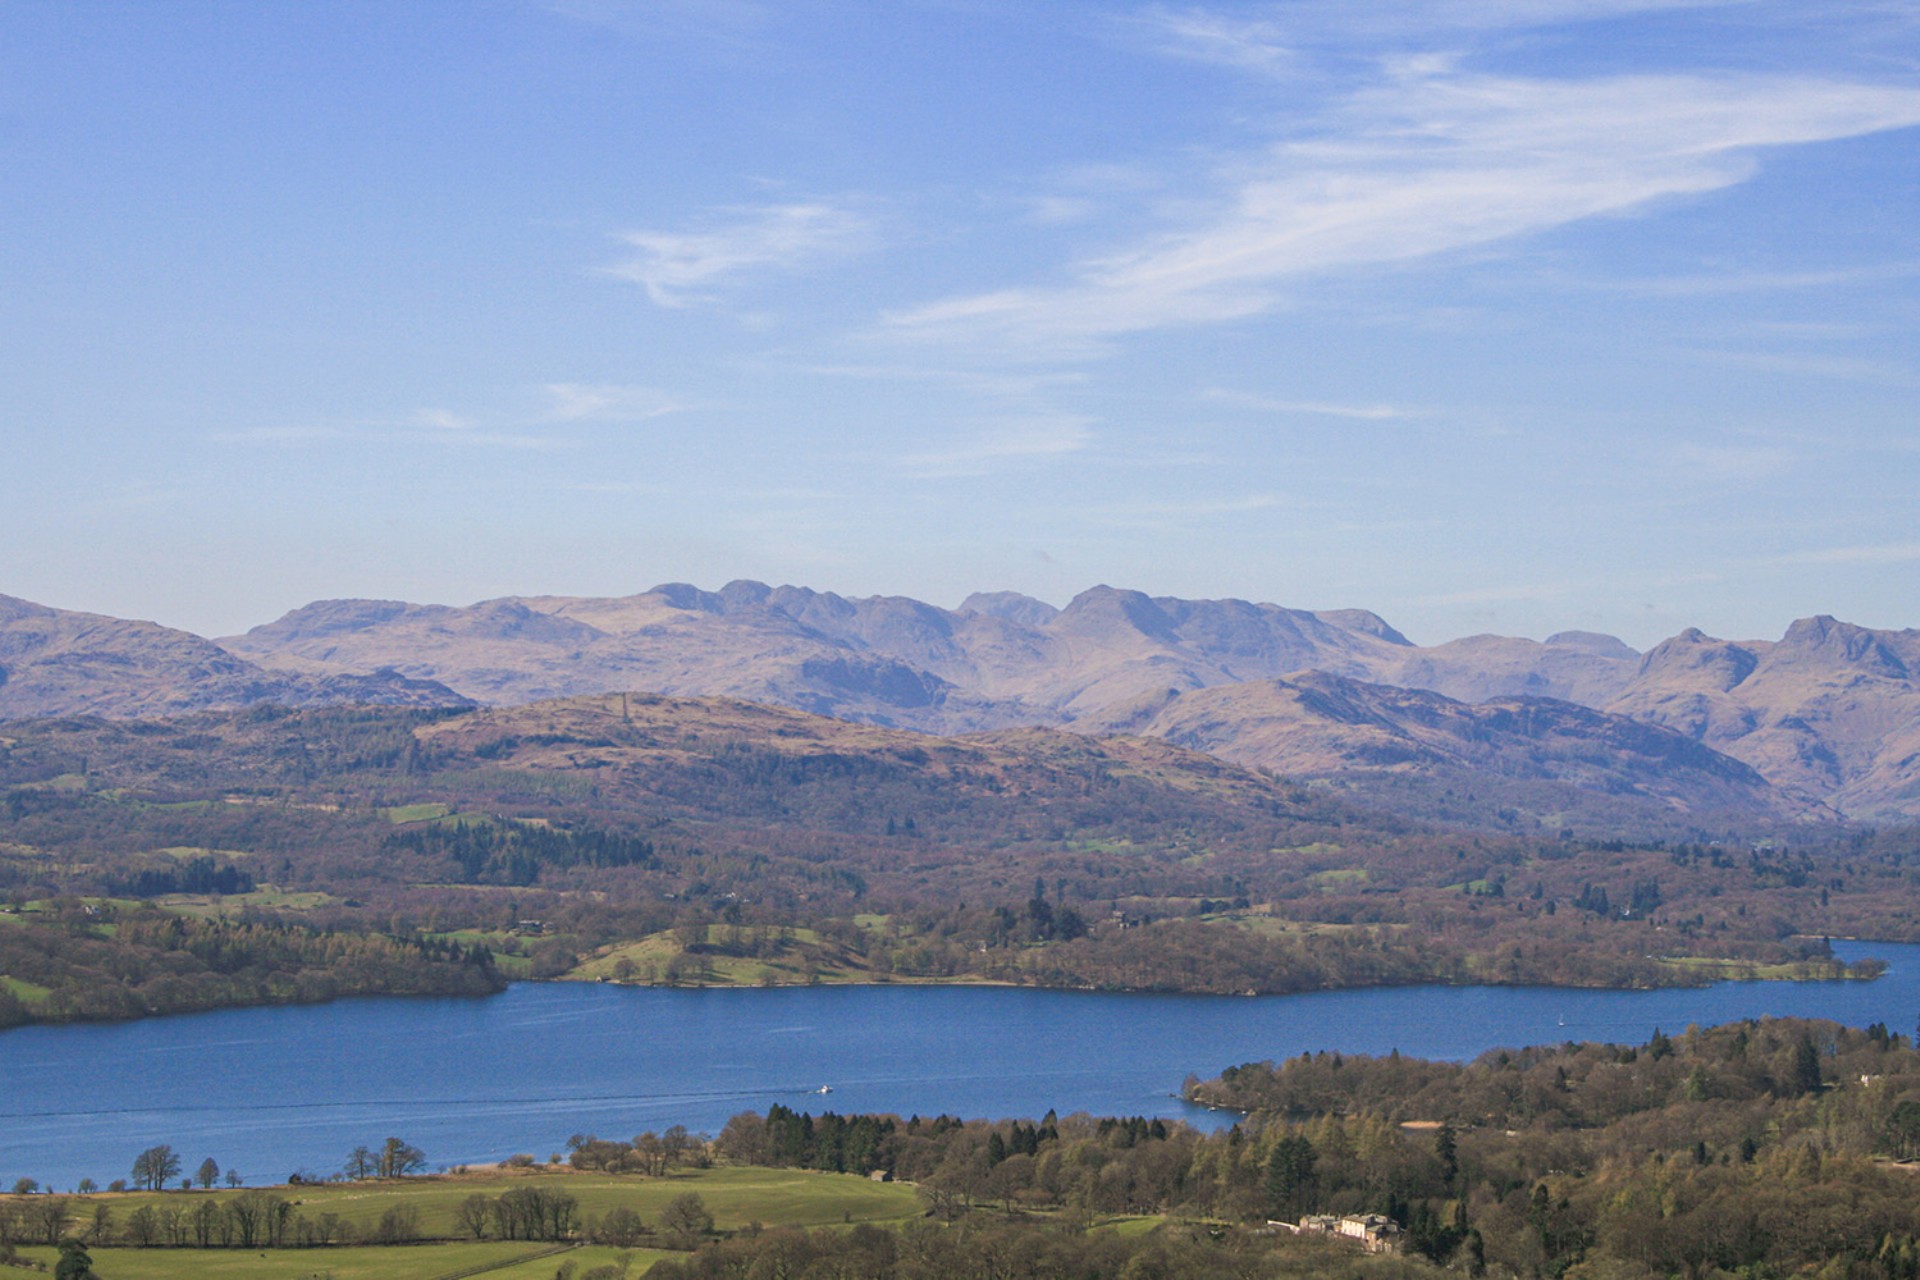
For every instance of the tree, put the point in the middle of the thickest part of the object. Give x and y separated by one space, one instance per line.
1447 1148
74 1264
207 1174
1903 1129
473 1214
398 1225
622 1228
48 1219
155 1167
686 1219
361 1163
143 1227
1290 1176
1805 1075
397 1159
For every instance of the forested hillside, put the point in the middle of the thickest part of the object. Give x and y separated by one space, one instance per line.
640 838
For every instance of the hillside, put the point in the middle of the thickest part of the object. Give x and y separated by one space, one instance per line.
998 660
56 662
1828 716
1830 708
297 854
1829 713
1316 725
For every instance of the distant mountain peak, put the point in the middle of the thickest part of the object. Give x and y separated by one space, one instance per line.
1010 606
1830 711
1107 606
1842 643
1597 643
1364 622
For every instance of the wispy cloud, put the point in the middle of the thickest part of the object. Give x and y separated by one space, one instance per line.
997 385
609 402
1763 281
712 19
1729 461
1004 443
677 267
1428 162
1174 514
568 403
1311 408
1195 31
396 433
442 420
1251 44
1499 595
1888 553
1802 364
389 434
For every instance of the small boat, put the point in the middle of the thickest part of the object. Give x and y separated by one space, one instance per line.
825 1088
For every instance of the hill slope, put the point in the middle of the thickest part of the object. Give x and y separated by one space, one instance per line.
1317 725
1829 714
56 662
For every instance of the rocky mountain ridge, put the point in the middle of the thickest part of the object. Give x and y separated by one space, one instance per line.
1826 718
1830 712
58 662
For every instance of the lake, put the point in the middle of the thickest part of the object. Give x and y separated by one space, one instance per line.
274 1091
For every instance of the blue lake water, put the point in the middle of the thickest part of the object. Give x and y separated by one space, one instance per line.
274 1091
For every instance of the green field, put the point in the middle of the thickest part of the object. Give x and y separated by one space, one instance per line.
516 1260
738 1197
186 851
401 814
22 989
800 957
399 1262
1724 970
266 897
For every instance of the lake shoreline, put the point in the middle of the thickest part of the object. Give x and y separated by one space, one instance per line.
1729 970
472 1080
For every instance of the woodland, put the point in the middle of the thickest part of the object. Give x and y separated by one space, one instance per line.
272 855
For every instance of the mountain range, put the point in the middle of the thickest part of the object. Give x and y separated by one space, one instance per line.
1822 722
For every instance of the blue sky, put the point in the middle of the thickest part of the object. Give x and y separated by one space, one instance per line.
1488 315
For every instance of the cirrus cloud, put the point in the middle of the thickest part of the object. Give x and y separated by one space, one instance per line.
678 268
1428 162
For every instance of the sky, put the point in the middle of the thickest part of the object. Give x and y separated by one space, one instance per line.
1488 315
